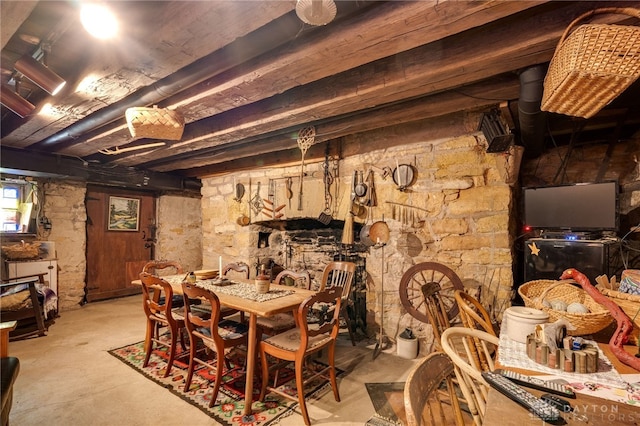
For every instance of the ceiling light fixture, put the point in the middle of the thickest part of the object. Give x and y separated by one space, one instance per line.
40 74
15 102
98 20
316 12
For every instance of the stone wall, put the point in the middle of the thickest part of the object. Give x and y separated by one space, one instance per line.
64 205
456 213
179 233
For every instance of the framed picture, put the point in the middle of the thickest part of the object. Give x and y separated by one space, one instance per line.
124 214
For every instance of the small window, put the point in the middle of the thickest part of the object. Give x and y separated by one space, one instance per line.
16 206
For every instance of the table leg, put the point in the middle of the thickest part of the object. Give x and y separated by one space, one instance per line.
251 357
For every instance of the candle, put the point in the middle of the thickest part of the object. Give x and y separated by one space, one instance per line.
220 266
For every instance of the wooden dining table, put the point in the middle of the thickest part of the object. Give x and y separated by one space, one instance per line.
587 409
267 308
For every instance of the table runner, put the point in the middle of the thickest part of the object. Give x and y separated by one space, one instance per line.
514 354
232 288
244 290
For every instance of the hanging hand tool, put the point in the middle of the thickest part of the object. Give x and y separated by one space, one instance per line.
289 190
256 201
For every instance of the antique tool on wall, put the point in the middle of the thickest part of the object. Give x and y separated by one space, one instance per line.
289 190
239 188
360 187
378 348
256 201
357 209
372 199
306 138
403 176
326 216
270 209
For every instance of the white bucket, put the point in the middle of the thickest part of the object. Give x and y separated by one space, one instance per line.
407 348
521 321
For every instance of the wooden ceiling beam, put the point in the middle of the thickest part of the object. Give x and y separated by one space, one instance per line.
377 33
444 65
475 96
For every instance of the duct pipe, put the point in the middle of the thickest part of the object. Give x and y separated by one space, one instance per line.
283 30
531 119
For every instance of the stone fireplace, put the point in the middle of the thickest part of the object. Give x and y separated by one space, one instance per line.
308 244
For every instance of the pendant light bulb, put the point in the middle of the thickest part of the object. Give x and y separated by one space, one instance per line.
98 20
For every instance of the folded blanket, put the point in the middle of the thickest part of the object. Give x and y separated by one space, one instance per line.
18 297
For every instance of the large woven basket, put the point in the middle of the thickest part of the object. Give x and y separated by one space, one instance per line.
592 65
630 304
534 292
23 251
154 123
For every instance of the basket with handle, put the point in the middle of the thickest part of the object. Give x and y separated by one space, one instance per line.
630 304
592 64
22 251
154 123
533 293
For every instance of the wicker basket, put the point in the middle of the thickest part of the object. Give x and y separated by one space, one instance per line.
534 292
21 251
592 65
154 123
630 304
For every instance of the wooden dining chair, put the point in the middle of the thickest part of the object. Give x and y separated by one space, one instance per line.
341 274
239 268
161 314
213 332
459 343
163 267
423 400
286 320
307 338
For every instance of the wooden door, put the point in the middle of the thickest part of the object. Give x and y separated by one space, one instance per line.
119 224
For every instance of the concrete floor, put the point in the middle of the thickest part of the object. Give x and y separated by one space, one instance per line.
69 378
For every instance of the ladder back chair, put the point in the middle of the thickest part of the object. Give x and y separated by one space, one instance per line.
215 334
307 338
423 402
160 315
340 274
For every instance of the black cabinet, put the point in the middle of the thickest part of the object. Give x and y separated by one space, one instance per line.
548 258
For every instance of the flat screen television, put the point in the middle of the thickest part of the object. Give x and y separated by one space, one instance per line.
575 208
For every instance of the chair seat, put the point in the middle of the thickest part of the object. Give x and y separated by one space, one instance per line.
290 340
227 329
277 322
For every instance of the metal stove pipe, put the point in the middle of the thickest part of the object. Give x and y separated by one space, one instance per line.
532 119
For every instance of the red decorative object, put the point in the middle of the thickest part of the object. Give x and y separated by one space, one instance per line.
622 333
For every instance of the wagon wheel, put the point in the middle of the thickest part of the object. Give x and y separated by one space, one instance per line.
431 273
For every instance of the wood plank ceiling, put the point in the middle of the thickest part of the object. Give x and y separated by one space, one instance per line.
247 75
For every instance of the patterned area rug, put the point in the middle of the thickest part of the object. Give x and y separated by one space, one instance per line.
229 405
